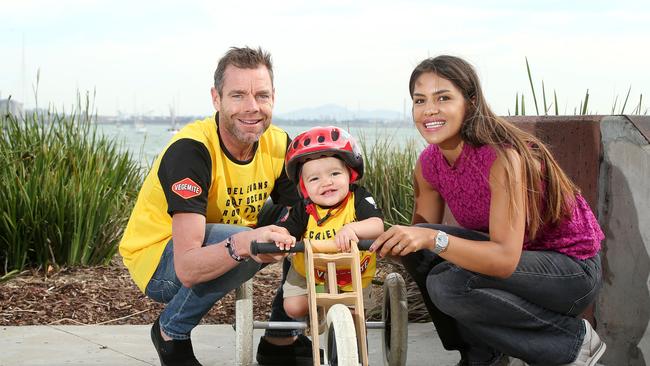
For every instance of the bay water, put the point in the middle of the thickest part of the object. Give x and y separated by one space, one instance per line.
145 142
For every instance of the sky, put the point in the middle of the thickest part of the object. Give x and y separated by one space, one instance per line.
143 57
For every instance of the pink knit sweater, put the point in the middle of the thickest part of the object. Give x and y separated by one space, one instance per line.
466 191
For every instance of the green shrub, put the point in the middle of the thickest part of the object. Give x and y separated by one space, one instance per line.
388 176
66 191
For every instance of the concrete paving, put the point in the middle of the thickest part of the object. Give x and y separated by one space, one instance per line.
130 345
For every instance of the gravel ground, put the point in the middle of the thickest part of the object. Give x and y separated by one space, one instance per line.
106 295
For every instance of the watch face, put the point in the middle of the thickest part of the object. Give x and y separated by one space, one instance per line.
441 242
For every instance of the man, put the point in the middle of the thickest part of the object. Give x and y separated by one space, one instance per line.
187 243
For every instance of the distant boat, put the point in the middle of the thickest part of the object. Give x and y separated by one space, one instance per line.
118 120
118 125
139 125
173 128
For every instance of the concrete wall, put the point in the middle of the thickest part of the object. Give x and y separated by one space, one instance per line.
623 307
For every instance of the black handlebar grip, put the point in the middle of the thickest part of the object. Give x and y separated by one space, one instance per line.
364 244
262 248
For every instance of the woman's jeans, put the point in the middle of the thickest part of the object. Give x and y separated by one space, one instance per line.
186 306
531 315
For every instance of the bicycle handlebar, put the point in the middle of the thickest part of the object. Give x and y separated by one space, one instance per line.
321 246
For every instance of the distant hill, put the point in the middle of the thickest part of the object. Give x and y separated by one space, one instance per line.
334 112
306 116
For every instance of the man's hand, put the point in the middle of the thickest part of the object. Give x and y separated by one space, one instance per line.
266 234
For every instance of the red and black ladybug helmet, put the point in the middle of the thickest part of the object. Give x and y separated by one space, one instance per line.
320 142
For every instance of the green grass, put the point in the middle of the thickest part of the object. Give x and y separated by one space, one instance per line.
67 191
388 175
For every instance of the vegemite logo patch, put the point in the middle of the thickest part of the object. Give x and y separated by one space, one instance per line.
186 188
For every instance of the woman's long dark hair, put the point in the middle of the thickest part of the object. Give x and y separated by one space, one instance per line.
482 127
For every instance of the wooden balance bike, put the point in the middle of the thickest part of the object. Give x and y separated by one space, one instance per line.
345 330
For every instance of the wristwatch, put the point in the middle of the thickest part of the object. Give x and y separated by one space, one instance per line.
442 241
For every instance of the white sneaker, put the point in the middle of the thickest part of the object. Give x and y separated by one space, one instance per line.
516 362
503 361
592 348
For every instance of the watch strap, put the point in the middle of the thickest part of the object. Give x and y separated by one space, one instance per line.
231 250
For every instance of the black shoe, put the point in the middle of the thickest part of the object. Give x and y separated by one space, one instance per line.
174 352
298 353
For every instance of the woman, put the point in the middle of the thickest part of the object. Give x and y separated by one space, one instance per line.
513 279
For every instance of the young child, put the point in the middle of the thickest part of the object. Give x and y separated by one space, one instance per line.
325 162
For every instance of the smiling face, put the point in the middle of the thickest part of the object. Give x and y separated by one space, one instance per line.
327 180
438 110
245 106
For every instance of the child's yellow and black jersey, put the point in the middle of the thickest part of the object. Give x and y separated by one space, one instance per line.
358 207
195 173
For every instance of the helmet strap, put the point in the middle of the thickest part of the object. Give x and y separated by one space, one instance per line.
312 210
302 188
353 175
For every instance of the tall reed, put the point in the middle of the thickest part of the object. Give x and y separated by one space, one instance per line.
582 109
388 175
67 191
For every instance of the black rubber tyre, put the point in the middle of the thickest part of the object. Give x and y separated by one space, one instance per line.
395 318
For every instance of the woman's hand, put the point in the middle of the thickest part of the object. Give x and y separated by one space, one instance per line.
402 240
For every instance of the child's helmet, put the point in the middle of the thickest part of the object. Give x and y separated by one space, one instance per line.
320 142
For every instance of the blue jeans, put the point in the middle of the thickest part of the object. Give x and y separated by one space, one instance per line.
186 306
271 214
532 315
